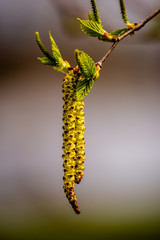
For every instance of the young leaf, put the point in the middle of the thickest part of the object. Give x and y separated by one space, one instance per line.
55 49
44 50
85 64
89 73
95 11
91 28
119 32
46 61
83 88
55 60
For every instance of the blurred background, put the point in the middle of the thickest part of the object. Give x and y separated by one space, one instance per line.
120 193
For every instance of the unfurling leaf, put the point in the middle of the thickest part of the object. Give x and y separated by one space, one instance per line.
44 50
83 88
54 46
85 64
89 73
55 60
46 61
119 32
91 28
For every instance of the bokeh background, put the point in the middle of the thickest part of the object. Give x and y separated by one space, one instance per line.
119 196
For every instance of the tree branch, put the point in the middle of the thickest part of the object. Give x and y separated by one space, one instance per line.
130 31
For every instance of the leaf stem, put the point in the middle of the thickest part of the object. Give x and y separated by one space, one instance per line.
130 31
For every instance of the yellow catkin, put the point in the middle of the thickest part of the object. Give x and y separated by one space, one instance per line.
80 143
69 139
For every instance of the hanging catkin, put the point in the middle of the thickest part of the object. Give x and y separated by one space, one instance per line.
80 143
73 137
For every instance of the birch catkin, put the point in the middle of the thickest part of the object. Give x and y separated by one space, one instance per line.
77 83
73 137
80 143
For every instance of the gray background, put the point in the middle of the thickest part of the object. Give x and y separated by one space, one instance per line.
122 175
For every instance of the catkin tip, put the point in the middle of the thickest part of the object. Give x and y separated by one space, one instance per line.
76 208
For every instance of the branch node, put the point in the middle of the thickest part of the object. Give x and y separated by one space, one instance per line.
131 30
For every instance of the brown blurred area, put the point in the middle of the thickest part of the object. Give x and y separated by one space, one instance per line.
122 115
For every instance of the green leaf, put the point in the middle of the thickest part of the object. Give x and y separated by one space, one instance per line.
83 88
89 73
95 12
62 65
85 64
94 29
55 60
91 28
55 50
46 61
119 32
43 49
123 11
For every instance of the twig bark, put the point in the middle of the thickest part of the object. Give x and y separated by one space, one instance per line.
130 31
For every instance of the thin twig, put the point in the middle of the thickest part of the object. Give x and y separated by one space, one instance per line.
107 54
131 31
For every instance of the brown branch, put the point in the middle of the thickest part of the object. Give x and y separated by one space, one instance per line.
131 31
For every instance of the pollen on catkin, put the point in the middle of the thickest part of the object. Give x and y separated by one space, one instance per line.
80 143
73 137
